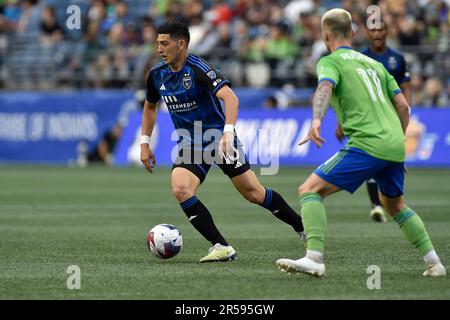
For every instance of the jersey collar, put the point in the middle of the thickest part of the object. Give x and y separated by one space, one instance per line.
386 49
344 47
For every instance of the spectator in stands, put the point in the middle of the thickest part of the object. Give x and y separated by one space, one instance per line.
122 16
220 13
12 12
99 72
120 69
96 14
232 33
416 90
174 11
29 18
434 93
254 49
304 30
193 10
143 55
240 39
104 151
222 50
281 52
116 13
257 14
295 8
51 32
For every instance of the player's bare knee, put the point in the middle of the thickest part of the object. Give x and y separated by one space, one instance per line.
304 188
316 189
392 205
254 196
182 192
392 210
397 207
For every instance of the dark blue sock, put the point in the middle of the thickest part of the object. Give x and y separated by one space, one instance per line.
201 219
274 202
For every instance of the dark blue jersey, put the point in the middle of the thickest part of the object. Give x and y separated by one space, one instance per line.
393 61
190 95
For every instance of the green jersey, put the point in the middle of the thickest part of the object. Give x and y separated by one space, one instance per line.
362 95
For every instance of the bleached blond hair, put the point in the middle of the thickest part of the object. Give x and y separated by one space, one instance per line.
338 22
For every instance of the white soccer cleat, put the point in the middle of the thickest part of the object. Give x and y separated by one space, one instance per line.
435 270
378 215
303 265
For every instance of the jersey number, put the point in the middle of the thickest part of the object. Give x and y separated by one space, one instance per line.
368 74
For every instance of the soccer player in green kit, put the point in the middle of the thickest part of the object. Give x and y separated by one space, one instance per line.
374 115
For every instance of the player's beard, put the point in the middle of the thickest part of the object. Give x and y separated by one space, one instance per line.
171 59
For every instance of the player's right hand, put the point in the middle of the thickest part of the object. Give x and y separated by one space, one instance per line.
147 157
314 134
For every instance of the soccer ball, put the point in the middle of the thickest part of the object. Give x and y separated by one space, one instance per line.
164 241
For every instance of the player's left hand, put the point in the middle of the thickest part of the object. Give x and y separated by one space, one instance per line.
339 133
314 134
226 145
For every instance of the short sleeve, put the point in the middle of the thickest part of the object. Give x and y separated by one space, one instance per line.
210 77
153 95
392 85
326 70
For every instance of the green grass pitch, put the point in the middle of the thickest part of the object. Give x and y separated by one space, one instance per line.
98 218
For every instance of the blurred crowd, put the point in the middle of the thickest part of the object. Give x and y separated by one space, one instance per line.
257 43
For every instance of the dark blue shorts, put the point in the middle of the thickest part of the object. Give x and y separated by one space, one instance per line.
196 162
350 167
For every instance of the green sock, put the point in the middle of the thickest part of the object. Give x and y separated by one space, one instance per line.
314 220
414 230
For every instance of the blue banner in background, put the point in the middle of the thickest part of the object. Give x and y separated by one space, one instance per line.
267 133
48 127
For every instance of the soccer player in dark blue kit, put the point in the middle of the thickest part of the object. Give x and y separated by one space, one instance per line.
395 64
191 89
392 60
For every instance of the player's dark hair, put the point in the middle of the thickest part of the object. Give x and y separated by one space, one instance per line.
177 30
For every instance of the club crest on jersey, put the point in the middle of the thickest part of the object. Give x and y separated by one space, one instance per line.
392 63
211 74
187 81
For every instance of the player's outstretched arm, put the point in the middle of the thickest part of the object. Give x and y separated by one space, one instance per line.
148 123
321 102
231 103
402 108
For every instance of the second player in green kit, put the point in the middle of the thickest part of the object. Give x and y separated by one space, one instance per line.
374 115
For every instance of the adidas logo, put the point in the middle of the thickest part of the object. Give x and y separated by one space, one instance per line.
238 164
162 87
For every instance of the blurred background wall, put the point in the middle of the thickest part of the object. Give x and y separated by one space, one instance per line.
68 95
